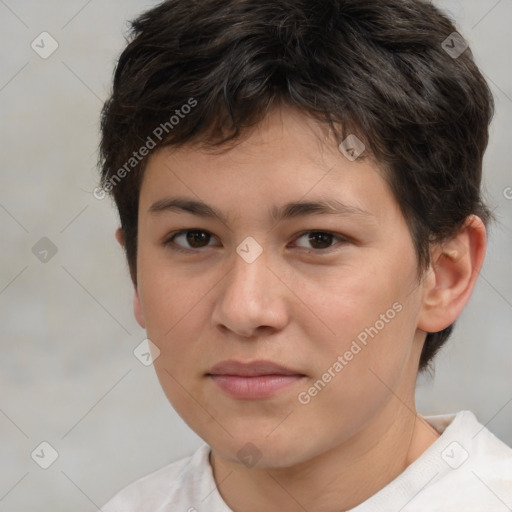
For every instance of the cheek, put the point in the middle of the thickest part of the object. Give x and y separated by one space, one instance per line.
173 307
355 379
372 316
168 298
174 310
350 301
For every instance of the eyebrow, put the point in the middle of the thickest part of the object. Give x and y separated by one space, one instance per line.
287 211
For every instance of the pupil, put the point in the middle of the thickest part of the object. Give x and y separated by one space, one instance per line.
195 237
323 238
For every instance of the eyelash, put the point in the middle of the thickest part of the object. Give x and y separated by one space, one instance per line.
169 241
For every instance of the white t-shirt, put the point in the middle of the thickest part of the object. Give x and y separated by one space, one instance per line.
467 469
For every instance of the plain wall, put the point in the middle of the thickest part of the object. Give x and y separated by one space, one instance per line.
68 375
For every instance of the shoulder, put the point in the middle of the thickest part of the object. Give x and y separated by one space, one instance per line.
474 466
173 483
469 442
467 468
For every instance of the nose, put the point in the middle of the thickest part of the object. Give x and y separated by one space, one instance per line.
251 299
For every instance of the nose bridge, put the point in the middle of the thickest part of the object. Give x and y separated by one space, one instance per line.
251 295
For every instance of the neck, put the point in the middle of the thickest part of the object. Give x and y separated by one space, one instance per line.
336 480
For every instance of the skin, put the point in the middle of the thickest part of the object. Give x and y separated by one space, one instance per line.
301 303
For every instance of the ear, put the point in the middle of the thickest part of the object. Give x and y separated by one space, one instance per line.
137 306
138 310
120 236
452 275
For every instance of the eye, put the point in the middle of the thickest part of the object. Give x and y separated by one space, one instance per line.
195 238
320 240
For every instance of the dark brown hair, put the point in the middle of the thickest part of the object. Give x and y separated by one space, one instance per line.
205 70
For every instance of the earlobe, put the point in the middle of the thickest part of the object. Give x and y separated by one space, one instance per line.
454 270
137 309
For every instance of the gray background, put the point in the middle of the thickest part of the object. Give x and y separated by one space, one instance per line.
68 375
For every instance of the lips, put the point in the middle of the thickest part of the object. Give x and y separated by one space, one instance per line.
254 380
253 369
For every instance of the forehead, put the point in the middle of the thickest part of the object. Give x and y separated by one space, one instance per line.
286 157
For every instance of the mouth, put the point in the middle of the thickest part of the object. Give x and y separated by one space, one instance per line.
254 380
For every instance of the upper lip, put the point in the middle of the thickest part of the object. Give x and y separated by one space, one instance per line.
250 369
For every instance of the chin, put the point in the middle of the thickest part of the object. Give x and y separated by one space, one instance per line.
262 451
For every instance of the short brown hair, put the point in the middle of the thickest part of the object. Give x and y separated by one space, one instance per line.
379 69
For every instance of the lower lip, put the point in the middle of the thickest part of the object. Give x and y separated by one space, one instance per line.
262 386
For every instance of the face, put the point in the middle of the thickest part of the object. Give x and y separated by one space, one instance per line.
323 298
